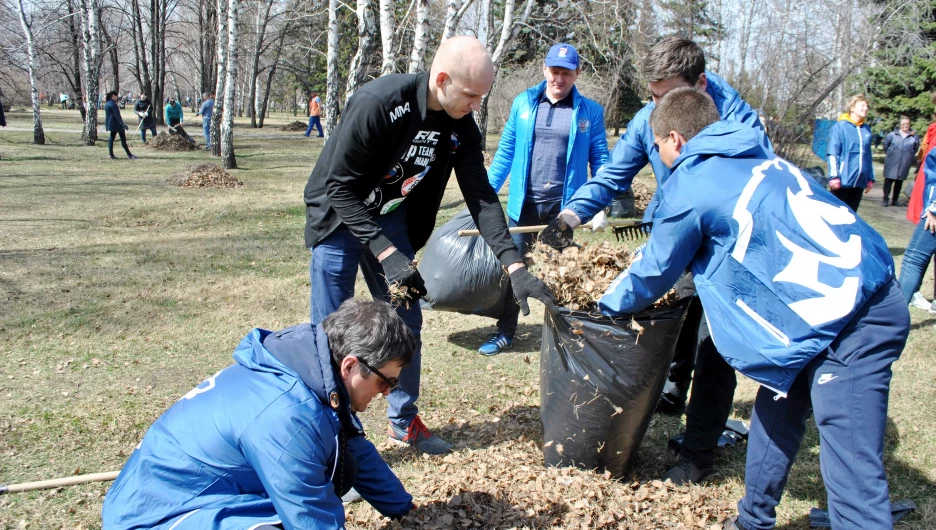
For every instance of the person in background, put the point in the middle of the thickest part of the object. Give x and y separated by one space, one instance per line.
552 136
63 98
206 111
115 124
273 440
849 150
900 149
2 115
315 114
916 206
174 119
799 294
143 108
922 246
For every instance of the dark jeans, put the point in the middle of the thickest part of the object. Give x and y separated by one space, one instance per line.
332 273
847 387
713 388
897 183
531 214
144 128
684 357
850 196
920 249
315 121
123 142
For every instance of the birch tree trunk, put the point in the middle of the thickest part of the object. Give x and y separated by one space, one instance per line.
74 40
228 160
215 127
367 41
92 52
38 133
421 37
388 65
451 18
263 18
332 82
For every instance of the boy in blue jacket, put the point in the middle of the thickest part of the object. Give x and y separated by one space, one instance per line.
800 296
273 440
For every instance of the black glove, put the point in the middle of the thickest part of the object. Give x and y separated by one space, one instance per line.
557 234
400 270
526 285
126 128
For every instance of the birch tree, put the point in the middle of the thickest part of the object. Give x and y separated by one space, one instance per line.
388 63
92 63
220 103
228 160
421 37
367 41
26 22
332 80
260 26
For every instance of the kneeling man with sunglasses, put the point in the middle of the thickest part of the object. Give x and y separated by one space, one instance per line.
273 441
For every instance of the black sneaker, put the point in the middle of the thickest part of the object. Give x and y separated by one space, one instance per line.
671 405
112 157
685 472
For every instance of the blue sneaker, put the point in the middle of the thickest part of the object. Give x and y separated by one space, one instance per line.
496 344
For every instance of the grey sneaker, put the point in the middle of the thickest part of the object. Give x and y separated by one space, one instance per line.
932 308
685 472
919 302
732 524
418 436
351 496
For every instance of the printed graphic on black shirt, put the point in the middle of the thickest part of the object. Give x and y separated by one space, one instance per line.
406 174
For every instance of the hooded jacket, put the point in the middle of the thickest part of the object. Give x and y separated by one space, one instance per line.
635 149
256 443
849 152
588 144
779 263
112 120
383 124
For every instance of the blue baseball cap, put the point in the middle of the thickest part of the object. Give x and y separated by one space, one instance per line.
563 56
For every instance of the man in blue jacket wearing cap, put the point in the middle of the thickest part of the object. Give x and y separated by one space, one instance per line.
800 296
273 440
552 136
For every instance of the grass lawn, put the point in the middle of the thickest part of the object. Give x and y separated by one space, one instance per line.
119 293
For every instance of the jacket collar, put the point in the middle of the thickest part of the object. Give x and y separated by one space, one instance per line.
536 93
422 94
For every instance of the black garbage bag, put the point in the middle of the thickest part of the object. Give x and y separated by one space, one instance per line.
600 382
462 274
624 205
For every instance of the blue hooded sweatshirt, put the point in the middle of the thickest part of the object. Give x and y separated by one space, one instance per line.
849 152
635 149
588 144
779 263
256 443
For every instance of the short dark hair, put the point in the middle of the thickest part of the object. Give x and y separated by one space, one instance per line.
686 110
904 117
111 94
371 331
674 57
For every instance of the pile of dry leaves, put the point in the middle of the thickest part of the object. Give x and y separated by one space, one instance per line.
578 276
205 176
170 142
506 486
294 127
642 195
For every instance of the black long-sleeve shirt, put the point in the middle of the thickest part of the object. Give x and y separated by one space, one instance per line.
389 148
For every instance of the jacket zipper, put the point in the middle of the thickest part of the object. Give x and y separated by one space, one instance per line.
770 328
860 152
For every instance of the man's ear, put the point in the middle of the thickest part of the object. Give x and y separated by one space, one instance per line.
702 82
347 364
441 78
678 141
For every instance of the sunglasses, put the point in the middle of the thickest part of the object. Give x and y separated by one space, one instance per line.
390 383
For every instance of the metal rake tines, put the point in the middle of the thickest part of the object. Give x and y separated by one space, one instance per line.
632 232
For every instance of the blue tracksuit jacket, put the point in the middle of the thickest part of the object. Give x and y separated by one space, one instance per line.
635 149
929 192
849 152
255 443
779 263
588 144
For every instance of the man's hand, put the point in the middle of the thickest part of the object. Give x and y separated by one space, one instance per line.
398 269
930 221
526 285
835 184
558 233
599 222
869 186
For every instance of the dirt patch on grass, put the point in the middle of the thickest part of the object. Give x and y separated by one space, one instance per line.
168 142
205 176
295 126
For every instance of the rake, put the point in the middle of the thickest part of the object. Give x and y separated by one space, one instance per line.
632 230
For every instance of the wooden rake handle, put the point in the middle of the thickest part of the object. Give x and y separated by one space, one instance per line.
539 228
58 482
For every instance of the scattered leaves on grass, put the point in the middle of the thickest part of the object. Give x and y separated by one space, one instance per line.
294 126
205 176
579 276
642 195
170 142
